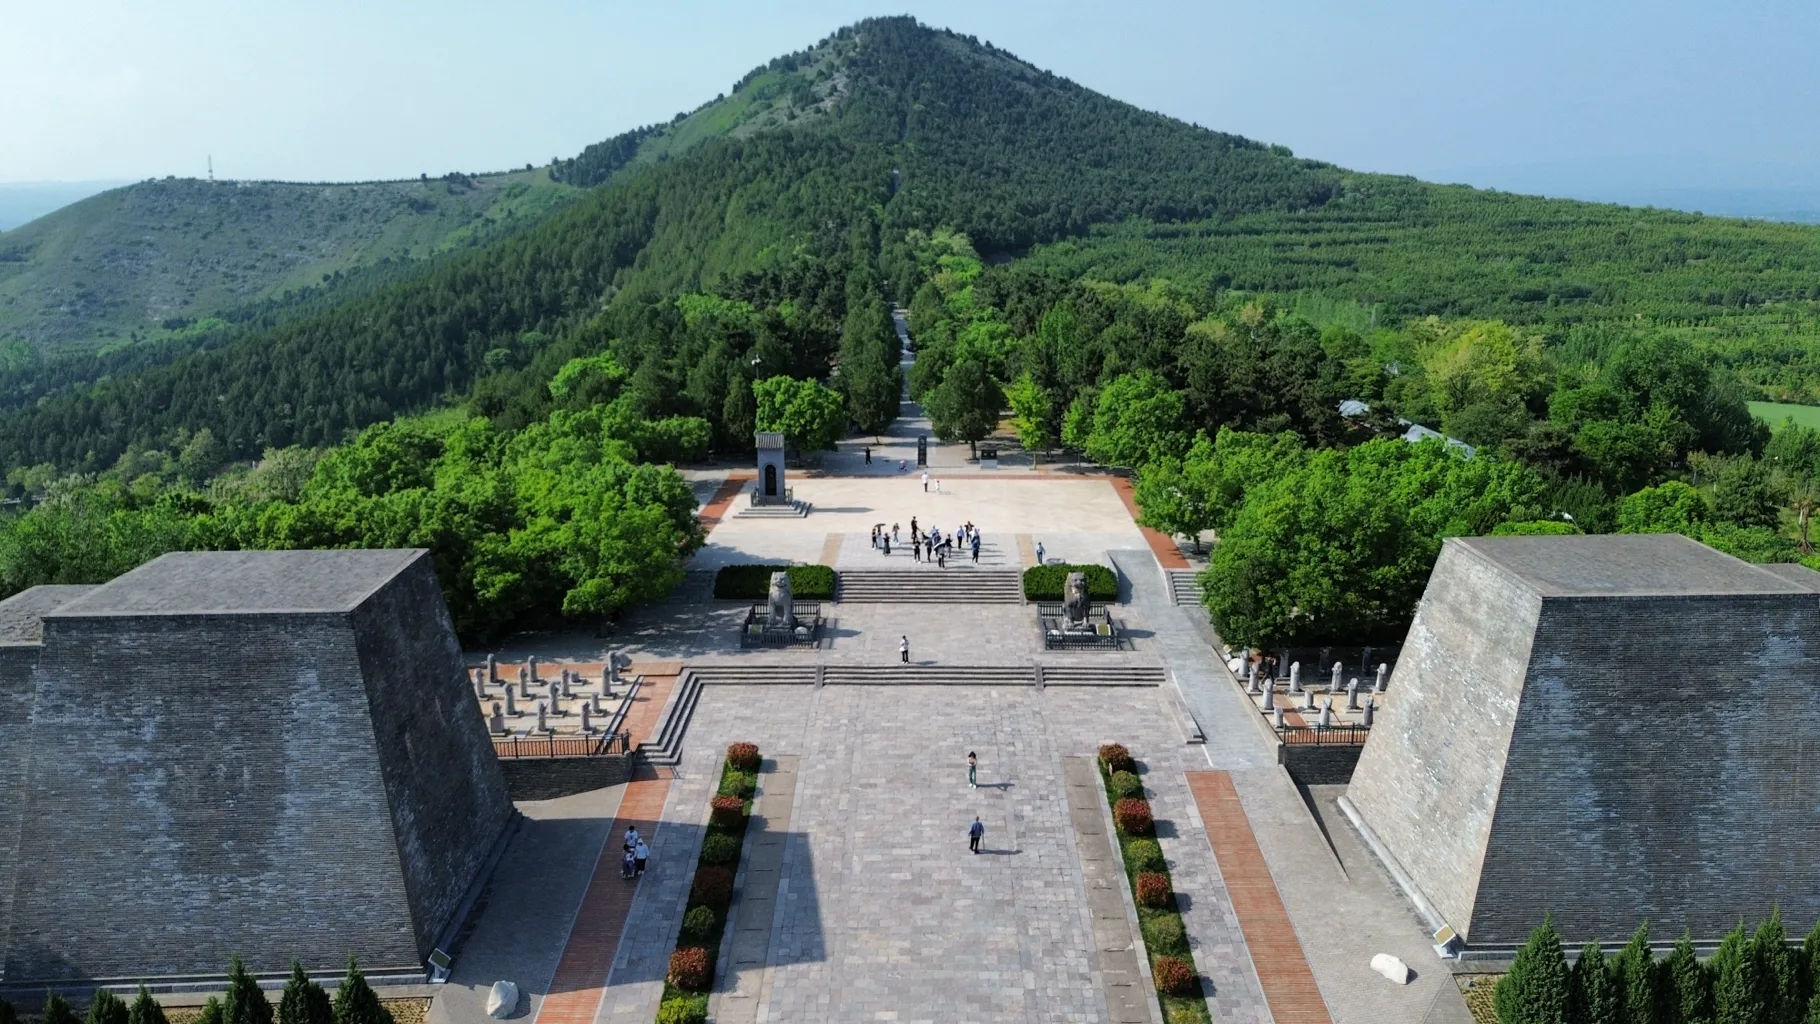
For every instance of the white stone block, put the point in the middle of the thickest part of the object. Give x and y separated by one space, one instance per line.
503 1000
1391 967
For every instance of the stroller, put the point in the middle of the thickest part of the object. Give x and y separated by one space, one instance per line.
628 866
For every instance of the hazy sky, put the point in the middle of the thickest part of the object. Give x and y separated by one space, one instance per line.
1656 94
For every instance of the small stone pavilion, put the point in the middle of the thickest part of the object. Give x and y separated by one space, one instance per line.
771 489
1607 729
274 754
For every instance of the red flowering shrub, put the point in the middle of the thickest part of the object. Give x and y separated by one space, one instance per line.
1173 976
1133 816
1153 890
691 968
713 888
727 811
1116 758
743 756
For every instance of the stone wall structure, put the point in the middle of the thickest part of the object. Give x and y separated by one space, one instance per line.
1608 729
270 754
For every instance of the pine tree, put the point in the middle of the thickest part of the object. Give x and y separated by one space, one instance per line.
1535 990
1813 1011
8 1015
105 1008
245 1003
1688 985
356 1002
1634 974
304 1001
1775 972
1807 963
1592 998
145 1010
211 1012
1735 996
56 1011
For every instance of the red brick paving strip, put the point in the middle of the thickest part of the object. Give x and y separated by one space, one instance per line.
1283 971
1166 552
716 509
580 981
647 705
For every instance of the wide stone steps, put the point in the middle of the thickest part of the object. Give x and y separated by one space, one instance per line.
760 674
1184 589
665 747
928 675
1089 674
929 585
794 510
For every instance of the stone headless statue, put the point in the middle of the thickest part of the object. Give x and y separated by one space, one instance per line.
1074 598
778 613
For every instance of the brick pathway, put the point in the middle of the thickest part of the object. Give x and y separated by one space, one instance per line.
716 509
1283 971
1167 554
831 549
581 974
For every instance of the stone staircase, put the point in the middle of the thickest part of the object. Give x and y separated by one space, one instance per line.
664 748
794 510
957 584
758 674
1184 589
928 675
1085 673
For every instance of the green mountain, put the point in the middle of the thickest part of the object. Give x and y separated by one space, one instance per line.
138 262
823 163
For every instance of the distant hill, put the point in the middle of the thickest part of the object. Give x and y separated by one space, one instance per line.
834 154
134 263
22 202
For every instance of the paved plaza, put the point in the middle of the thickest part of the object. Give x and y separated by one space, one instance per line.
864 903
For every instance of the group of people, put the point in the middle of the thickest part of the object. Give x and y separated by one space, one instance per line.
932 546
637 853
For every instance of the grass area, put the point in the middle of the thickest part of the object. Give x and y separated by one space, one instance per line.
1165 937
1478 990
1777 413
705 920
403 1011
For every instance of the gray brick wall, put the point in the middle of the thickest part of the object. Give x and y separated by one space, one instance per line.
448 798
546 778
16 664
1662 768
1427 781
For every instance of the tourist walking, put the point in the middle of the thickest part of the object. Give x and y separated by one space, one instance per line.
973 770
894 531
914 532
916 550
631 839
628 865
976 547
903 649
925 481
887 539
938 485
640 855
975 832
868 455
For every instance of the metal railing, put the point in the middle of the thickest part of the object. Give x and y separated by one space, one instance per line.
563 746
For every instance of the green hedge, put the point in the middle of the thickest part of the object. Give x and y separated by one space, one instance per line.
753 582
1045 582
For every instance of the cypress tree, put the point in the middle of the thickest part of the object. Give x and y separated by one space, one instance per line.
245 1003
1807 963
1813 1011
211 1012
56 1011
8 1015
1535 990
1735 996
304 1001
356 1002
1776 976
1688 995
1634 974
1591 999
145 1009
105 1008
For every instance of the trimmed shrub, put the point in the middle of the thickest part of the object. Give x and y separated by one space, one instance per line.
245 1002
713 888
1153 890
719 848
1116 758
106 1007
683 1010
1164 933
691 968
356 1002
57 1010
1145 855
1047 582
739 784
146 1010
727 811
743 757
698 924
753 582
1173 976
1133 816
211 1013
1127 784
303 1002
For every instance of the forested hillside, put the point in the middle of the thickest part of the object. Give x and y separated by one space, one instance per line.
137 263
